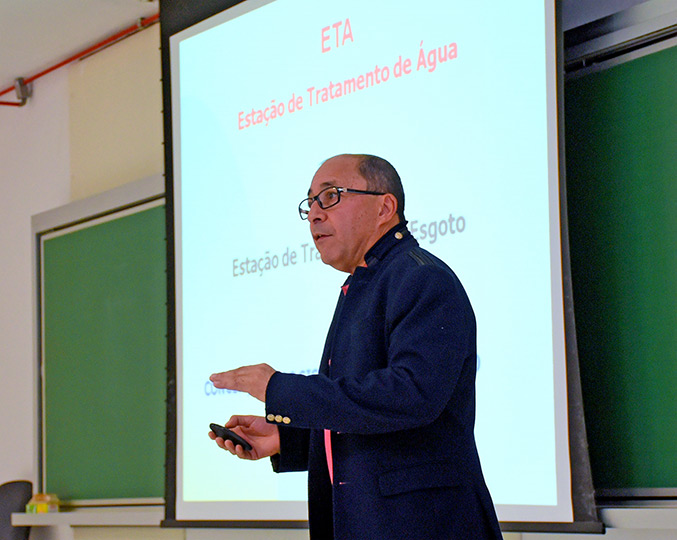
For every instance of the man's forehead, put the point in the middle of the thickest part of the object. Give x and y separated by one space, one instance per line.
338 171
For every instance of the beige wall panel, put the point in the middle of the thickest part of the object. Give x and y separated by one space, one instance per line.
153 533
116 115
127 533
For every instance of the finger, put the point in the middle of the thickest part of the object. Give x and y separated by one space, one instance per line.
237 420
234 421
242 453
228 445
222 380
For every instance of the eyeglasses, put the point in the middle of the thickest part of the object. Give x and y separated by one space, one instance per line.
329 197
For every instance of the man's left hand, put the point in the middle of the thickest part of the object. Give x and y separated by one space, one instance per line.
250 379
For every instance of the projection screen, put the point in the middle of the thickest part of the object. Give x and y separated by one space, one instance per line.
461 97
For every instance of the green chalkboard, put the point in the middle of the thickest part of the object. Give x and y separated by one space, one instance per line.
104 357
621 147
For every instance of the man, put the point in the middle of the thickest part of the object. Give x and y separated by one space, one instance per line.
385 429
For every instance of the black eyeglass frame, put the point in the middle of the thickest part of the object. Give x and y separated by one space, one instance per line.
310 200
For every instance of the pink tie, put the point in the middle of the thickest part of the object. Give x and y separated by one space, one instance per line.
327 433
327 449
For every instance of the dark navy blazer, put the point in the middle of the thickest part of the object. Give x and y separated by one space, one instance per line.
399 398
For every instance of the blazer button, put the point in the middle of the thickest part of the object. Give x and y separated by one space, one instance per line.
270 418
278 418
286 420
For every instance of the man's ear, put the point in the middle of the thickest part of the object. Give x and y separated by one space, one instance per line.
388 208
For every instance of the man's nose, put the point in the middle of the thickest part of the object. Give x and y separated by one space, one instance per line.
316 212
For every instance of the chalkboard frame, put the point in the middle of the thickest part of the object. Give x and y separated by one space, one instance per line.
135 196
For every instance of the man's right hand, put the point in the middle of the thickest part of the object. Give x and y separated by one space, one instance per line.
264 437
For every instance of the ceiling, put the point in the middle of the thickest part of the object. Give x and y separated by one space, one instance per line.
36 34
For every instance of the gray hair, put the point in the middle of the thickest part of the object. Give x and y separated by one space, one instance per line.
382 176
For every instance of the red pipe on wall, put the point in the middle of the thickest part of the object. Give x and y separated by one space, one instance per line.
140 25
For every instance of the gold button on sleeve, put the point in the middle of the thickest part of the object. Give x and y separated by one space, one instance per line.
286 420
270 418
278 418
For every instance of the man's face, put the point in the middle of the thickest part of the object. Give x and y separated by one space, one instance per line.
345 232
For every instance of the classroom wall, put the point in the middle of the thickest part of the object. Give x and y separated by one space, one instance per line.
34 177
89 127
115 103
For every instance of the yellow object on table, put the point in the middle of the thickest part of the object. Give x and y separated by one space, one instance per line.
41 503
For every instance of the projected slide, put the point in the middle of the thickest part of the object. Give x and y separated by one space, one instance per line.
459 97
